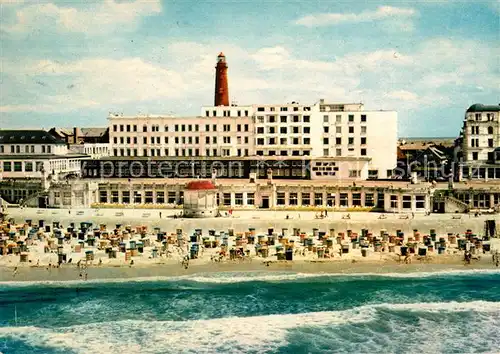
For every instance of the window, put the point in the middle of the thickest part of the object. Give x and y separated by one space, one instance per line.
363 118
296 119
280 198
103 196
43 149
227 198
115 140
18 166
283 130
351 118
260 130
351 130
260 109
272 130
490 130
283 141
246 127
338 130
295 130
338 119
354 173
238 198
363 152
292 200
490 143
260 141
238 127
363 140
344 200
356 199
144 128
306 199
307 141
12 149
326 141
171 198
214 140
338 141
246 139
338 152
420 202
135 127
326 129
307 130
250 198
325 119
394 201
474 155
28 166
115 127
369 200
350 141
283 109
32 148
325 152
214 127
307 119
283 119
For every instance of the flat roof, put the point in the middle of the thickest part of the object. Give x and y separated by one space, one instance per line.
42 157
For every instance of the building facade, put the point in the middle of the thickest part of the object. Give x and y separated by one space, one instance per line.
346 141
481 143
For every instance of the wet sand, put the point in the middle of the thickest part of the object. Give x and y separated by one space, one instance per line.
72 273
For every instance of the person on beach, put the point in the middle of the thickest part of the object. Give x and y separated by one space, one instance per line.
14 273
160 214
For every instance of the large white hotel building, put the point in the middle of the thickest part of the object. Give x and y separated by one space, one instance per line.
342 140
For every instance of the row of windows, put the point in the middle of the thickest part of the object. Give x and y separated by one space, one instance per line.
17 166
283 119
178 140
284 130
328 199
338 130
489 117
338 118
283 109
227 113
178 152
350 141
283 153
338 152
178 127
475 143
475 129
284 141
27 149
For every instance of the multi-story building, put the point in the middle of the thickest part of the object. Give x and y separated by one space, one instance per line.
481 143
30 160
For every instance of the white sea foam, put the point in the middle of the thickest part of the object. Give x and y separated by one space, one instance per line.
243 334
241 277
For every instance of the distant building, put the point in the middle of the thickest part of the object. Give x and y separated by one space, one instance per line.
480 153
35 157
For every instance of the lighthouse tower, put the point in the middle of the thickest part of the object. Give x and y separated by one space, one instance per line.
221 97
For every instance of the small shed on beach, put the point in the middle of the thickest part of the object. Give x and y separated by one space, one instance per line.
200 199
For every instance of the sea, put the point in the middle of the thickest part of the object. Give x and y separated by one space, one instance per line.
258 312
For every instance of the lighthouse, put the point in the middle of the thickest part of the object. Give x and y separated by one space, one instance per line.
221 97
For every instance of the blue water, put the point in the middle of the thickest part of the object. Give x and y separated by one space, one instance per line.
256 313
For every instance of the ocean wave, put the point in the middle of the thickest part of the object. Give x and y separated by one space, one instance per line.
256 334
262 276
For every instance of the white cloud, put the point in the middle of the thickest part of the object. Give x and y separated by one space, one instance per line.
92 18
99 82
402 95
383 13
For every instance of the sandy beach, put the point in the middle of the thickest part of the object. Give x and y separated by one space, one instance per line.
159 259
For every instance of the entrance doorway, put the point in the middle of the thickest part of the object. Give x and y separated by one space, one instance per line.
265 202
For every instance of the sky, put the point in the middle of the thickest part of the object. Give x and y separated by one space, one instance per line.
70 63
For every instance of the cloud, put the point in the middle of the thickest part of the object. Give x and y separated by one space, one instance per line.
382 13
92 18
402 95
98 82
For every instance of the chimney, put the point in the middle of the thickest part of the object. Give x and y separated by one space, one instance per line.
76 134
221 97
